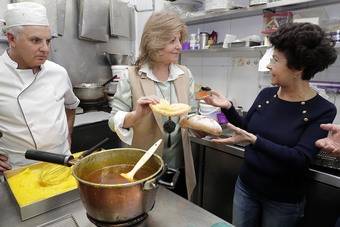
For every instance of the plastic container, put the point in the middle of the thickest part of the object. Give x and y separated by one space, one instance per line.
222 119
186 45
194 42
208 110
204 36
119 70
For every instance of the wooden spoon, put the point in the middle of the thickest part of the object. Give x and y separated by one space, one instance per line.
129 176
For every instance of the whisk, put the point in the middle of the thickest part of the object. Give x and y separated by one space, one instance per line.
53 174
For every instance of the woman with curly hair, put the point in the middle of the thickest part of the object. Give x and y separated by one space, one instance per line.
280 129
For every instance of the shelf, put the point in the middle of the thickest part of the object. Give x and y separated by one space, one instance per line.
260 49
3 39
231 49
257 10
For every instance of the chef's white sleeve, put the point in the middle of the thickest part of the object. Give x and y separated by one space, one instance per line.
70 99
121 106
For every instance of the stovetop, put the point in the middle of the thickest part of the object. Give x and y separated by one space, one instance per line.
91 117
133 222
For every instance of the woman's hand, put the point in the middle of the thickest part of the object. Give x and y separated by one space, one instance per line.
142 109
240 137
218 100
198 134
330 144
4 165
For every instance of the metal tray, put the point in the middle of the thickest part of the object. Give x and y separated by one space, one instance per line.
244 44
64 221
41 206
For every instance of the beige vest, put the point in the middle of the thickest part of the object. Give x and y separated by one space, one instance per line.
150 129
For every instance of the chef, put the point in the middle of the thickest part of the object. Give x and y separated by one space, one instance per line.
37 104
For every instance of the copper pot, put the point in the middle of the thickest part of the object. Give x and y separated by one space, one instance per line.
122 201
113 202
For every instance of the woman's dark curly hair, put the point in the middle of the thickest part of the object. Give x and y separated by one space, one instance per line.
305 46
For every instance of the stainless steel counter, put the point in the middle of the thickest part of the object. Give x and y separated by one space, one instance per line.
238 151
170 210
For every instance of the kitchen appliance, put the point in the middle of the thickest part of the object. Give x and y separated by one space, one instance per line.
327 161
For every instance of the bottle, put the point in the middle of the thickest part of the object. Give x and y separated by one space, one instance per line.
192 41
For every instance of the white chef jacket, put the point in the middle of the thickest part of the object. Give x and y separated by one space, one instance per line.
122 105
32 109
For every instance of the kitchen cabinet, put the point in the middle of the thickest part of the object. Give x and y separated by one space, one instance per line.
217 168
322 205
220 175
88 135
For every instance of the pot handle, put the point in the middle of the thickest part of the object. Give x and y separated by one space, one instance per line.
169 174
48 157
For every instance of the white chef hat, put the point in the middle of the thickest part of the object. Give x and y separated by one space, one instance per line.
25 13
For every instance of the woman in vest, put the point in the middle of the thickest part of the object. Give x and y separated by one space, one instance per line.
156 75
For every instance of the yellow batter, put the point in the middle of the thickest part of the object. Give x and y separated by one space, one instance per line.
28 186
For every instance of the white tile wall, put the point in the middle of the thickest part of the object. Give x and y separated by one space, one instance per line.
215 77
243 27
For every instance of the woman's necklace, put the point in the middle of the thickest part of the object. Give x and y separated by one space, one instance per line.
169 125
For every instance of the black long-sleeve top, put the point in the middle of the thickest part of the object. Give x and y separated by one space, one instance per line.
275 166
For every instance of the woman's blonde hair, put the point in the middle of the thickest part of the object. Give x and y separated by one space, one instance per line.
157 34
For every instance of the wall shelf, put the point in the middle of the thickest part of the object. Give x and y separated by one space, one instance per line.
260 49
257 10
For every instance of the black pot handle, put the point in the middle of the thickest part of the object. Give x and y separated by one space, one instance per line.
48 157
171 173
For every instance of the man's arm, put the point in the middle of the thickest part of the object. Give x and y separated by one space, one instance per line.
70 115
